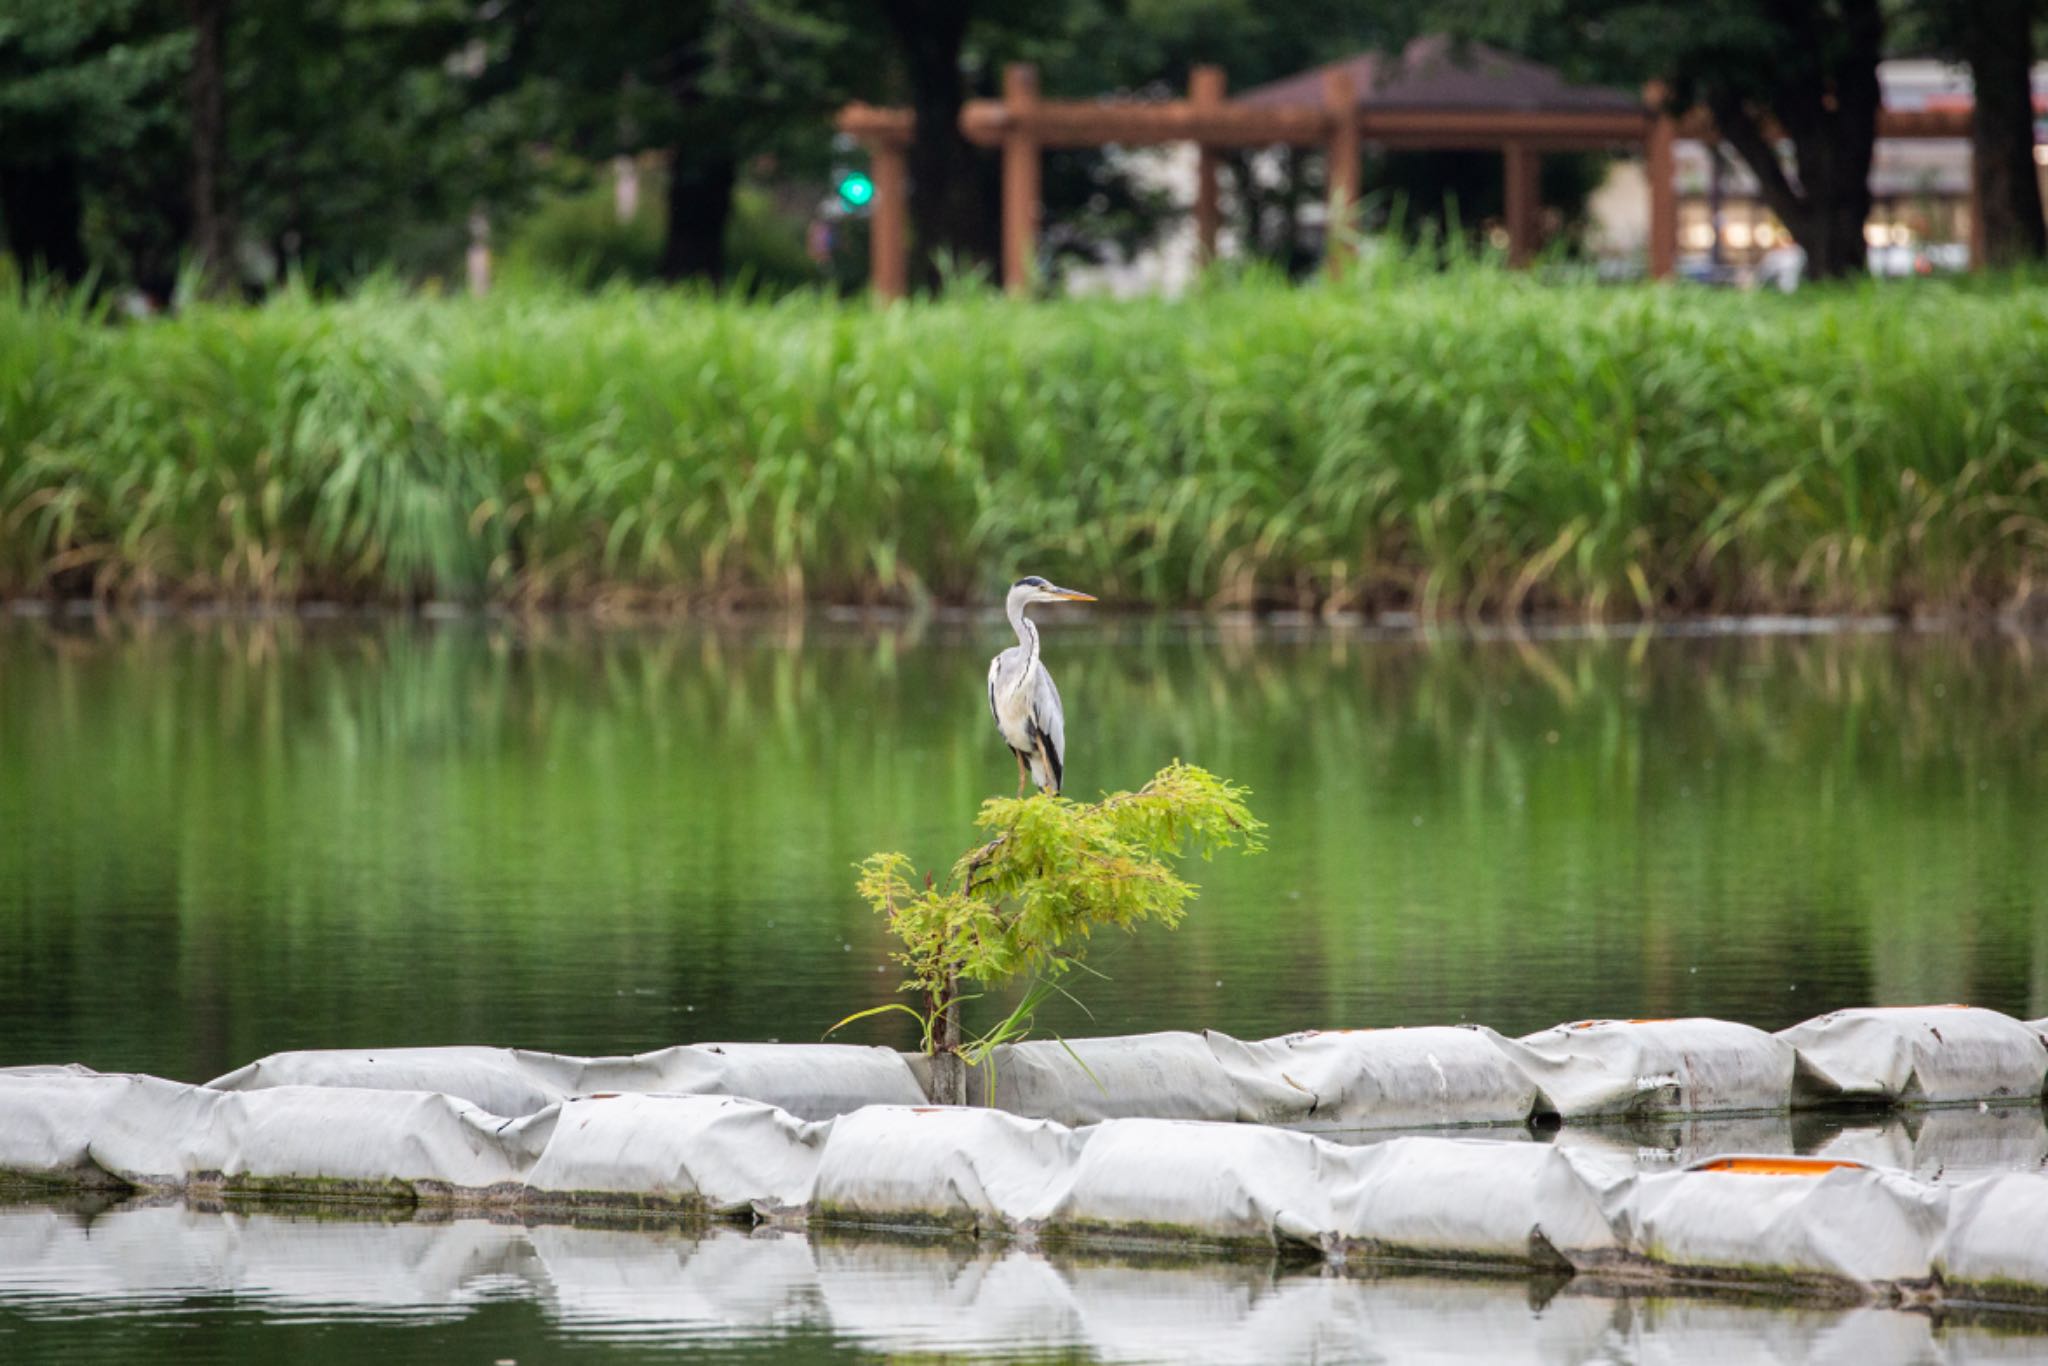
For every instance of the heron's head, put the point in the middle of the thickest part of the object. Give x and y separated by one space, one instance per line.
1031 588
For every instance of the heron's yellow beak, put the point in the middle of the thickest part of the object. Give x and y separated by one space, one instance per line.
1071 596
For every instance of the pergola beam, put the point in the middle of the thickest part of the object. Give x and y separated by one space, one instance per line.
1132 123
1023 125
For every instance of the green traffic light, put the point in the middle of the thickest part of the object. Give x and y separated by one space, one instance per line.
856 189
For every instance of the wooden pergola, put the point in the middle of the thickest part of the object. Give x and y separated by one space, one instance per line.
1433 96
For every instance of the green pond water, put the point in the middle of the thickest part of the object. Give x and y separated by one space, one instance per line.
221 838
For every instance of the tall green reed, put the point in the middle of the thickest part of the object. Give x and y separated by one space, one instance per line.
1461 440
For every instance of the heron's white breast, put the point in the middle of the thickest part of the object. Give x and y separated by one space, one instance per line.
1013 710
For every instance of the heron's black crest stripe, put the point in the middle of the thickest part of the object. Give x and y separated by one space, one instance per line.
1031 581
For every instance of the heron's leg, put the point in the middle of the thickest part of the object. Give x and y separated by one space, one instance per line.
1023 773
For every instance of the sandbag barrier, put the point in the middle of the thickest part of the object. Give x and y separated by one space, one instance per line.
1423 1078
1812 1225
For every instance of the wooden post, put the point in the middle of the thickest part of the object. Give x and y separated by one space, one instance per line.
1205 92
1020 178
888 244
1522 166
1660 168
1340 105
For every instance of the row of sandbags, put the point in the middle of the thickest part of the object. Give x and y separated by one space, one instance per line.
1775 1220
912 1298
1328 1079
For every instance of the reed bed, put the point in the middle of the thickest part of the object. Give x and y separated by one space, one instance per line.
1457 442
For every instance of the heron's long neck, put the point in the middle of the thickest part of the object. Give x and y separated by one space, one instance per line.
1027 634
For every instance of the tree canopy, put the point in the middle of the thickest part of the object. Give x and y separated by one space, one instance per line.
339 138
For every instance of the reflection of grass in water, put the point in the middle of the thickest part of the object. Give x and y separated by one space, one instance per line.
235 838
1457 440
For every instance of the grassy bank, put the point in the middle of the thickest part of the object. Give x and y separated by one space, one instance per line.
1471 441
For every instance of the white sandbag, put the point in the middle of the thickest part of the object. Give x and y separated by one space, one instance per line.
1375 1079
1334 1079
1993 1248
48 1119
940 1166
706 1154
1196 1184
810 1080
1653 1067
504 1081
1917 1055
1172 1075
320 1140
310 1140
1766 1220
1473 1200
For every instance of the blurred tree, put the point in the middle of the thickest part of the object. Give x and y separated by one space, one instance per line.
360 137
949 218
1804 71
709 83
81 82
213 233
1996 38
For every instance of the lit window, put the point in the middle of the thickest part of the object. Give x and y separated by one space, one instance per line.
1739 236
1874 235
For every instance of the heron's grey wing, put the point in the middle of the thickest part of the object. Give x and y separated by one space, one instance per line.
1050 716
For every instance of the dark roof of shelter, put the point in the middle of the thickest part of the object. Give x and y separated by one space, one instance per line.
1438 72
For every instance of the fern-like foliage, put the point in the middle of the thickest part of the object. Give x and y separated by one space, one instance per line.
1052 872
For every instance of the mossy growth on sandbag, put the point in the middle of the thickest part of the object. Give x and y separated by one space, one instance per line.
358 1190
1142 1233
86 1176
1026 902
688 1210
956 1221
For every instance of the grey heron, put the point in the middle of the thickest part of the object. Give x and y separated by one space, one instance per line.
1021 695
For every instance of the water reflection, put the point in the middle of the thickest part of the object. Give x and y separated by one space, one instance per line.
417 1290
222 838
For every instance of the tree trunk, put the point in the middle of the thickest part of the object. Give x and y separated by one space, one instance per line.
213 237
1829 111
700 189
949 1070
44 210
1998 43
948 218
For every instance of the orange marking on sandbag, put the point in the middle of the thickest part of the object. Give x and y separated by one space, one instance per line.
1778 1166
